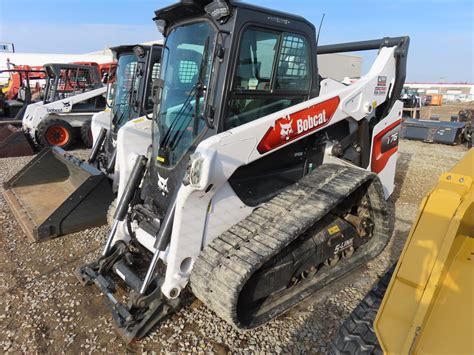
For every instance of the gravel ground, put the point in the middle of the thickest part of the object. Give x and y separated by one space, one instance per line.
44 309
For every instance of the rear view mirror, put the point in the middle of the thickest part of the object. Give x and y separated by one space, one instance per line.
110 95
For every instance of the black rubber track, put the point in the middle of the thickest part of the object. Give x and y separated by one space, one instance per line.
228 262
357 335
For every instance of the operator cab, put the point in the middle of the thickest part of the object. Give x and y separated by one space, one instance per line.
132 73
22 89
137 67
67 80
225 64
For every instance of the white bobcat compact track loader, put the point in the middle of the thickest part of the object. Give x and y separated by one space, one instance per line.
263 184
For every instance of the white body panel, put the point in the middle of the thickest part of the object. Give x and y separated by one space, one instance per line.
38 111
387 175
133 138
100 120
225 208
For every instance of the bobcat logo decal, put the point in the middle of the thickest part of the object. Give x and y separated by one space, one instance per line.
66 104
286 129
163 185
298 124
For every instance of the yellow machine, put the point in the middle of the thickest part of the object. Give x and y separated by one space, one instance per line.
428 306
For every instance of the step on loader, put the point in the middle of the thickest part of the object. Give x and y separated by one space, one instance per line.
74 184
264 183
73 93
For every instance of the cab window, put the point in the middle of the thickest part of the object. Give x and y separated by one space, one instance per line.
155 74
292 72
187 70
273 72
257 55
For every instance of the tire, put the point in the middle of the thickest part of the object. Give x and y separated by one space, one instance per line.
55 132
86 134
357 335
111 211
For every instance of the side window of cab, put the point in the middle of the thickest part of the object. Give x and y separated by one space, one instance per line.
273 72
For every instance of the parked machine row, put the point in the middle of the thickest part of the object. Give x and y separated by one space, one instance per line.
82 192
56 115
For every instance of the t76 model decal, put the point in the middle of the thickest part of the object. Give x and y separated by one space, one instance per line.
384 146
298 124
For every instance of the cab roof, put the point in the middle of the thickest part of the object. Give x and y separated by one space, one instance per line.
193 8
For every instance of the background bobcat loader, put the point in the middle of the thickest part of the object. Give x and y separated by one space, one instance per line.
263 183
138 66
56 193
427 304
73 93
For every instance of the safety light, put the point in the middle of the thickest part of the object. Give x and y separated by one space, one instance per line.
160 25
139 51
218 9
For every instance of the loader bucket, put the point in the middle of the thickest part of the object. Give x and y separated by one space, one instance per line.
13 142
57 194
433 131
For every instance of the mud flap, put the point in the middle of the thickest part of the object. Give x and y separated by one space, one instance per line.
13 142
57 194
433 131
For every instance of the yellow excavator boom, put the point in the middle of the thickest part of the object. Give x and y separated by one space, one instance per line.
428 307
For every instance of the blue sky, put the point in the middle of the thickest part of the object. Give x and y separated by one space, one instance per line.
441 31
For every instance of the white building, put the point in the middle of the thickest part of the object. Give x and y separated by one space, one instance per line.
340 66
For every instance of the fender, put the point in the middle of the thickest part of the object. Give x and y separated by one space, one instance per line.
100 120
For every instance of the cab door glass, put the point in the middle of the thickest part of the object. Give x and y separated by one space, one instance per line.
155 74
256 59
273 72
